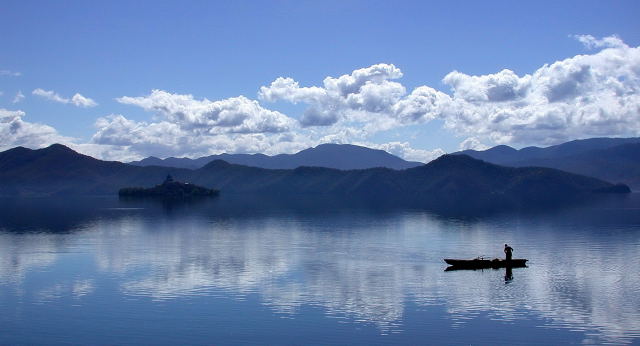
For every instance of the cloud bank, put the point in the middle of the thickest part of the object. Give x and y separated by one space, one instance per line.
184 125
582 96
587 95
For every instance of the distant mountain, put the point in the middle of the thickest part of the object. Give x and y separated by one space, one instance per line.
451 181
338 156
610 159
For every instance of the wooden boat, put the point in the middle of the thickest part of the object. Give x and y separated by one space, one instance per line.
481 263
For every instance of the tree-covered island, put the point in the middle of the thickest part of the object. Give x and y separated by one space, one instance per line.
169 188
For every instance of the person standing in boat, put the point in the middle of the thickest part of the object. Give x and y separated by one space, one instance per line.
508 250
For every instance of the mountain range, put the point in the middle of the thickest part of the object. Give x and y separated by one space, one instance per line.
338 156
611 159
451 180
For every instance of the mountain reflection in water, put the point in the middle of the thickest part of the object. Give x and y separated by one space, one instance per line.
355 262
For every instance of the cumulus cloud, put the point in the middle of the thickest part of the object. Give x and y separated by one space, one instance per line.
472 143
120 138
14 131
185 126
76 100
502 86
165 138
578 97
357 97
367 99
232 115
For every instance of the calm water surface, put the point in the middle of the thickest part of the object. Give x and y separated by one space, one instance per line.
244 270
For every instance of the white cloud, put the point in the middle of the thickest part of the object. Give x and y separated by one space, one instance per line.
422 105
185 126
472 143
50 95
578 97
76 100
588 95
165 138
19 97
360 104
232 115
119 138
10 73
605 42
500 87
357 97
81 101
14 131
405 151
134 139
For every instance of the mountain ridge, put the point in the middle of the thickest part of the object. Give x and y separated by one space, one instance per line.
338 156
612 159
451 181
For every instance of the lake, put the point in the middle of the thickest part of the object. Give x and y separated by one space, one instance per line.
250 270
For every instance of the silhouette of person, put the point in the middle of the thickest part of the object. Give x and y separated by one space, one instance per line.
508 250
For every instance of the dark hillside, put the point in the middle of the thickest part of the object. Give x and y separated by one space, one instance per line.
612 159
450 181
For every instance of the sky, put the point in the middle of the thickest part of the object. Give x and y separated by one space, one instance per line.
123 80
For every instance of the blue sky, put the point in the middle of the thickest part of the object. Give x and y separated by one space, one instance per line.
115 54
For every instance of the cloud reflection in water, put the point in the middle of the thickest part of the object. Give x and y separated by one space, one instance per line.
359 266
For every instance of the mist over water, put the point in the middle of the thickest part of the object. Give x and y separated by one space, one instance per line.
243 269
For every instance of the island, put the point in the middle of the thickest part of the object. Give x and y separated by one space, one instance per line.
169 189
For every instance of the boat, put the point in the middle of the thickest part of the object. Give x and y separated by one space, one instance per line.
482 263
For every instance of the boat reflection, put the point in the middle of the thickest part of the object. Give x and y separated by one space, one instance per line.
508 274
508 271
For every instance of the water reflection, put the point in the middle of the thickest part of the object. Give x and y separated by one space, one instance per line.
21 253
354 263
508 275
508 271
